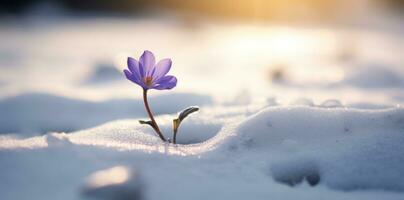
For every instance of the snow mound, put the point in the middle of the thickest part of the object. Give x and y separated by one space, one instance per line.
305 124
129 135
321 150
345 149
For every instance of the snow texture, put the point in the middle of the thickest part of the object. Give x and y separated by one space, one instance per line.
332 149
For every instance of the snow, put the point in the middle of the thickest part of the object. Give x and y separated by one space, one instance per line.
375 76
346 149
115 183
25 113
369 142
285 112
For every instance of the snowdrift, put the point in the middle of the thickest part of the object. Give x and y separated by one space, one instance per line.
277 151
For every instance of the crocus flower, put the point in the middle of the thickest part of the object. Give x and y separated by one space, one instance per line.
149 75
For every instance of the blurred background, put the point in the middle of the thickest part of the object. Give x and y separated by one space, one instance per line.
234 52
294 10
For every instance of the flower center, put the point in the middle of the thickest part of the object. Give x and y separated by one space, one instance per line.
148 80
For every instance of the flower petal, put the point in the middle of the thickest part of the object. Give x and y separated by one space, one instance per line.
133 66
130 76
165 83
162 69
147 62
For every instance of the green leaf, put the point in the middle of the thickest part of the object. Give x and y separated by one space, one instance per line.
183 114
146 122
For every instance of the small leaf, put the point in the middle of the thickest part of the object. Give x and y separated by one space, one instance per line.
146 122
183 114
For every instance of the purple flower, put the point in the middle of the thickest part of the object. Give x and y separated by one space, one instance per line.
148 74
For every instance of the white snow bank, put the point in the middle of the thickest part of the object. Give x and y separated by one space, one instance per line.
248 158
37 112
344 148
304 124
129 135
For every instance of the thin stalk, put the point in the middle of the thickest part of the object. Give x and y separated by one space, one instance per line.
155 126
175 125
175 138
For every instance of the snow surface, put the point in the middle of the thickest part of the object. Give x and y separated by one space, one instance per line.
349 150
26 113
285 112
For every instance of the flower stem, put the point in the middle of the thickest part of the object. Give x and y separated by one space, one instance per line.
155 126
